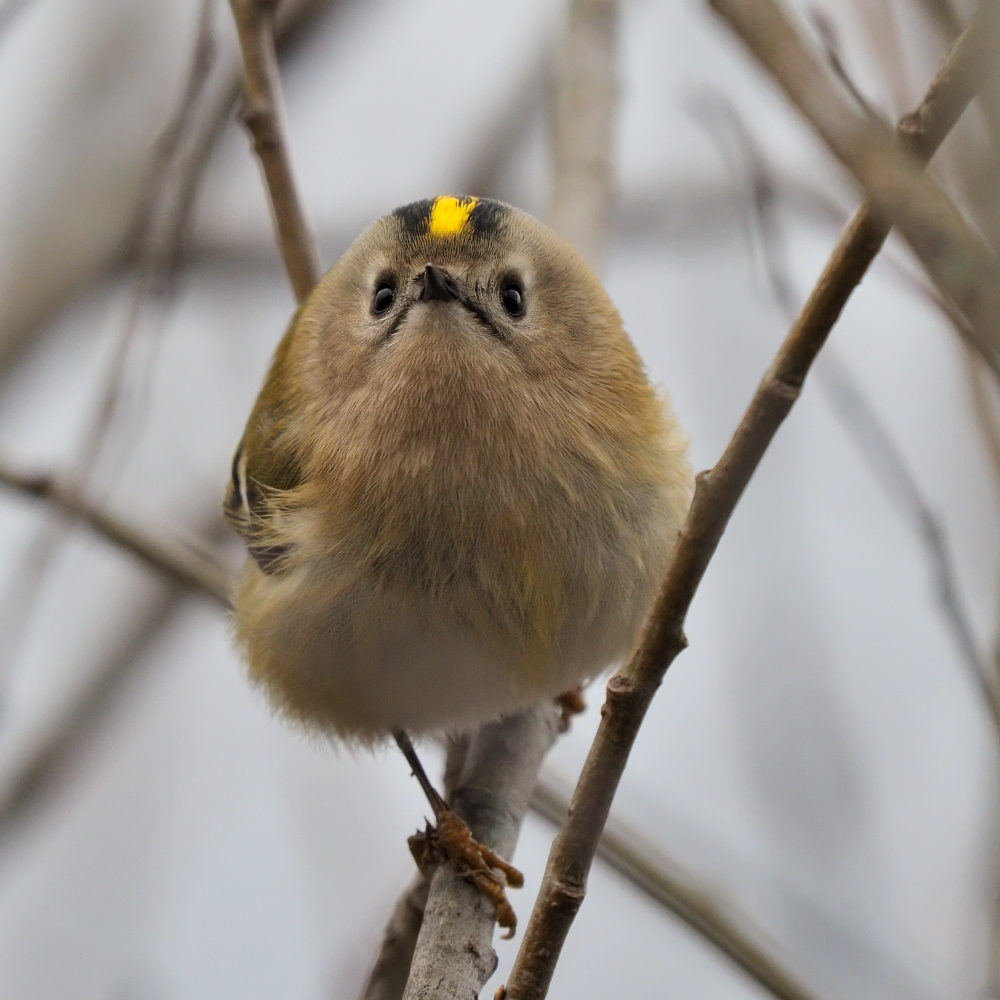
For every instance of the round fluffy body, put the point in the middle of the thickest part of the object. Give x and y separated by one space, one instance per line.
453 511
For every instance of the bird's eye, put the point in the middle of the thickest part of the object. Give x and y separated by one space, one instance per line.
512 298
385 295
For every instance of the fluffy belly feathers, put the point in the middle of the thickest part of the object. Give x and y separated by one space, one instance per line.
362 646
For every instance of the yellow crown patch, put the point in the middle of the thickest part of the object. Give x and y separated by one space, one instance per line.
450 216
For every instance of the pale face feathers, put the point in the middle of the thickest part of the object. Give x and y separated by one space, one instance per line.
462 484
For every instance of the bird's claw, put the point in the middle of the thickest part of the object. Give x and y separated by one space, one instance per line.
571 702
452 840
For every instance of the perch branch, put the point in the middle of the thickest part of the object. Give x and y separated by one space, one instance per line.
619 848
387 980
263 115
957 261
717 492
454 955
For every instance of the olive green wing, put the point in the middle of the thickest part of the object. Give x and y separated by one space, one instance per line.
260 475
266 465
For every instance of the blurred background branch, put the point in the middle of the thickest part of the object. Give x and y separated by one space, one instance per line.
962 267
677 224
717 493
583 126
264 116
850 403
649 870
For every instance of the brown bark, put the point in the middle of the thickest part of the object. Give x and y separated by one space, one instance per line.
716 494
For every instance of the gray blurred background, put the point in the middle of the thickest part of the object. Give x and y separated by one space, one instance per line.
821 757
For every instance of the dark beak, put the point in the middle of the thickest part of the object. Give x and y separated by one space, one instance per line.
437 286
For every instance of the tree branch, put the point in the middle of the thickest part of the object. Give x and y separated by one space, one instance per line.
387 980
454 956
717 492
31 775
263 115
662 880
586 99
620 848
955 258
852 408
152 273
188 567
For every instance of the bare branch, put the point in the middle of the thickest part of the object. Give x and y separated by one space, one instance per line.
830 40
857 415
154 267
586 99
39 765
661 879
190 568
454 956
961 266
387 980
717 492
264 118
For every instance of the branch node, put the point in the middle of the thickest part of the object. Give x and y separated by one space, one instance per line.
712 509
784 388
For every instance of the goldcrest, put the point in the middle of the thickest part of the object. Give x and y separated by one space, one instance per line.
457 485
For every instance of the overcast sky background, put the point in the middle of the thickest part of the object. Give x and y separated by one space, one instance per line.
819 756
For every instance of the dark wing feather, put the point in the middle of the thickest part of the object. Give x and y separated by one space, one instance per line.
248 503
266 463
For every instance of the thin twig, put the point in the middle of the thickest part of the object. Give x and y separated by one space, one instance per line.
717 492
264 117
956 259
949 24
661 879
619 847
830 40
852 407
152 274
586 101
31 776
188 567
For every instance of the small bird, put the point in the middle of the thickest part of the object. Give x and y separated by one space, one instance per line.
458 488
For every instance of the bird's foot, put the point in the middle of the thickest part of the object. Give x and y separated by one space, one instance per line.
571 702
452 840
